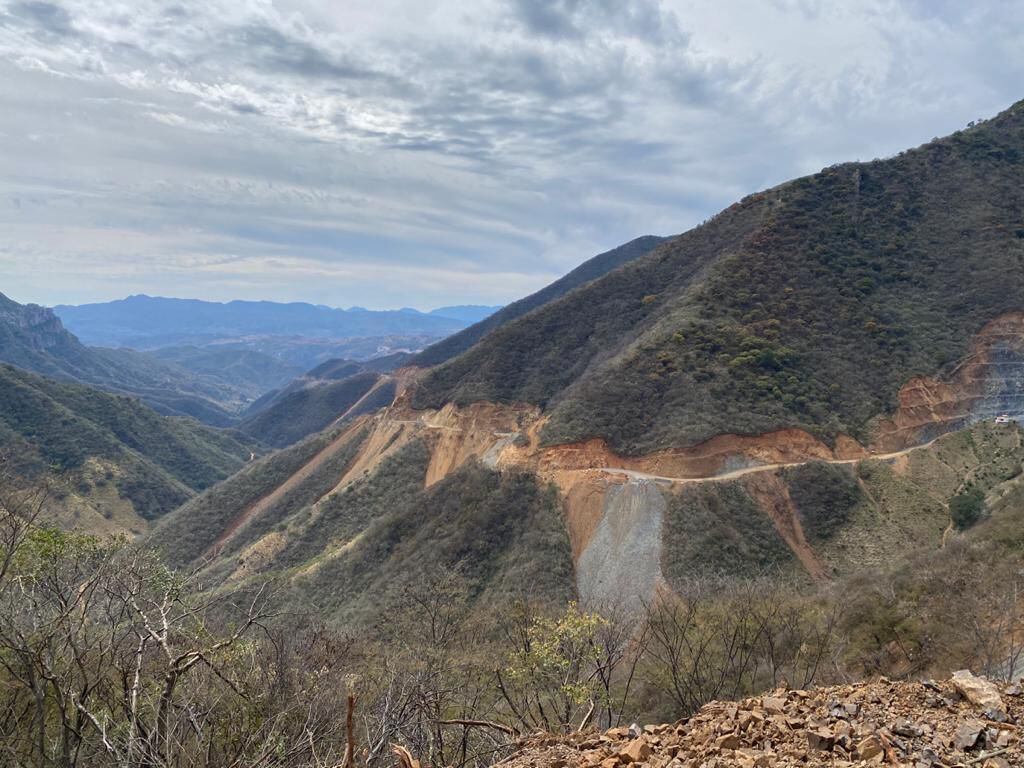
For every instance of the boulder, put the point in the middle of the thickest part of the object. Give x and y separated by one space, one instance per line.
869 747
774 704
728 741
967 734
820 740
980 692
636 751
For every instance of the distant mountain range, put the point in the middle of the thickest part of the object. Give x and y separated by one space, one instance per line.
206 360
33 338
150 322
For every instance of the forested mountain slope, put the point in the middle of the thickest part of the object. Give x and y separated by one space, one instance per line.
809 305
111 463
802 387
308 406
336 389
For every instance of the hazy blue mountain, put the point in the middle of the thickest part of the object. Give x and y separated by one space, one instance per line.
469 313
33 338
148 322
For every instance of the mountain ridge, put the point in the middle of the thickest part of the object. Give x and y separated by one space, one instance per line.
149 321
808 306
701 333
591 269
34 339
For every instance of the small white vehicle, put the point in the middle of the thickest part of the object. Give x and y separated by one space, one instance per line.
1003 419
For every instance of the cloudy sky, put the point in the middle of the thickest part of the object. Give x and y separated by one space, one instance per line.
409 152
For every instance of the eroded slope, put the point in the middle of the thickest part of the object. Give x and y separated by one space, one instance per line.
630 525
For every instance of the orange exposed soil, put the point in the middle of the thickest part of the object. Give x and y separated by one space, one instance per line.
583 494
925 403
772 496
459 434
485 430
386 437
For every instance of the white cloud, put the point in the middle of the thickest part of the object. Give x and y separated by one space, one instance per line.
395 152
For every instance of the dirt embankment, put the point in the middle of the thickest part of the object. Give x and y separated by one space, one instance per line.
507 437
986 383
772 496
719 455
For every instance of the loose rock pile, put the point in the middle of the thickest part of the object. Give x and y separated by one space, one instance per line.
966 721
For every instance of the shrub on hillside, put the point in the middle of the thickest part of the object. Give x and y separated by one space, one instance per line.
967 508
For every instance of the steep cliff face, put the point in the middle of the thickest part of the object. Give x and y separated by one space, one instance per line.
32 337
43 328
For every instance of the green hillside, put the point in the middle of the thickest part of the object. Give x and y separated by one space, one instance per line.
587 271
249 372
808 305
301 411
351 552
108 455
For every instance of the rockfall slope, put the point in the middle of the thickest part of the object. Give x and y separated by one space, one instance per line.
965 721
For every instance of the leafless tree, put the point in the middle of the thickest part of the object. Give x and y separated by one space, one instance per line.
722 638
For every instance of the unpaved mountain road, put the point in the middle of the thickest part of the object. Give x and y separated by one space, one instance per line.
637 475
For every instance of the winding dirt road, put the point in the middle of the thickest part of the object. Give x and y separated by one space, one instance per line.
637 475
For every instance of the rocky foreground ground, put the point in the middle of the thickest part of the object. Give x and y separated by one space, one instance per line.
965 721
